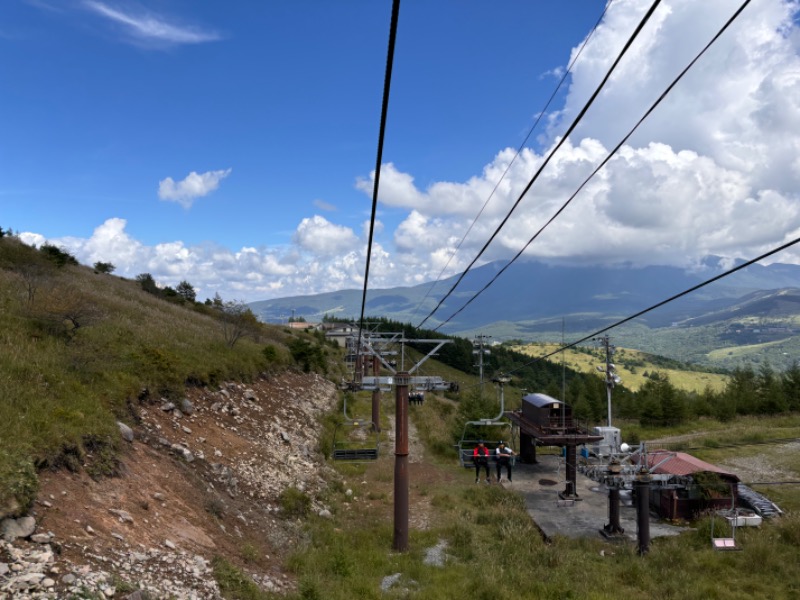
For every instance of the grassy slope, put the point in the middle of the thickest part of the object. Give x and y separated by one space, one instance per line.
631 378
63 389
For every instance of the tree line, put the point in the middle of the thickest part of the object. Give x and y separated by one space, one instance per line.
749 391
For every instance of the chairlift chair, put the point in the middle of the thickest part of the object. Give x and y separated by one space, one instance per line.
351 439
723 543
355 450
472 435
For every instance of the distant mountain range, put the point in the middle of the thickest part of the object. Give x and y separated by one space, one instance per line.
536 301
536 292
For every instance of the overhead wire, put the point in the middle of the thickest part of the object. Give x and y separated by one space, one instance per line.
516 155
387 80
602 163
550 155
651 308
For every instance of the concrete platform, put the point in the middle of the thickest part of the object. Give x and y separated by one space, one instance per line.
539 485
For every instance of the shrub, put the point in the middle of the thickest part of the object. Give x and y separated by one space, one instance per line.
59 256
104 267
309 356
20 485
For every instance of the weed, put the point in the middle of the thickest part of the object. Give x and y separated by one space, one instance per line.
789 530
294 503
233 583
249 552
216 507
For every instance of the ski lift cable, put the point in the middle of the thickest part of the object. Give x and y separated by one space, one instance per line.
601 165
384 111
694 288
550 155
516 155
663 302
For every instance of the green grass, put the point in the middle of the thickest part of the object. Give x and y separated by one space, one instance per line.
495 550
63 390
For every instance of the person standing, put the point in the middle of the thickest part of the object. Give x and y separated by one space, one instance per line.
480 456
504 454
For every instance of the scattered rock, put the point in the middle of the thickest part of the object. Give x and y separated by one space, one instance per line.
125 431
260 421
42 538
12 529
187 407
123 516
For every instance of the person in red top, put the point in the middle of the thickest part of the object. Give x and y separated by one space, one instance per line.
480 456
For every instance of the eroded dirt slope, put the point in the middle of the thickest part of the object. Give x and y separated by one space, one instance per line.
202 477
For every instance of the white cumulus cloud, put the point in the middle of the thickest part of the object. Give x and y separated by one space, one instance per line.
320 236
193 186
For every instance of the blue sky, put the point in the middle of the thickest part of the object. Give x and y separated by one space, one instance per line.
232 144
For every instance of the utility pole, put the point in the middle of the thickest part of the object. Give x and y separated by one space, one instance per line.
478 349
610 370
400 543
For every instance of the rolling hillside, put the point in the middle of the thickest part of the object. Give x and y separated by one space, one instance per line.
748 317
633 366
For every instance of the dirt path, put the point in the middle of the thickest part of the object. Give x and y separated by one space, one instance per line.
416 449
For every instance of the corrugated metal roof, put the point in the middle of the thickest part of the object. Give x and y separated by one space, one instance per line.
540 400
665 462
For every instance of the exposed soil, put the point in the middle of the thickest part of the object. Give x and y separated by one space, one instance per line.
196 486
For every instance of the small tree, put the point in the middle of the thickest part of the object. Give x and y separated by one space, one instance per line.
148 283
238 321
186 291
32 268
308 355
104 267
66 308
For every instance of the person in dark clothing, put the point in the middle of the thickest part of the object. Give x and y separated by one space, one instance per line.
480 456
504 454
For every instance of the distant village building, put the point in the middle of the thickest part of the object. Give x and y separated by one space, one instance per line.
301 325
340 333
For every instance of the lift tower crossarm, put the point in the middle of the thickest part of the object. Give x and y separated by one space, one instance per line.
369 345
439 344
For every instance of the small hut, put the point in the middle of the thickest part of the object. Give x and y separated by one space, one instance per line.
692 485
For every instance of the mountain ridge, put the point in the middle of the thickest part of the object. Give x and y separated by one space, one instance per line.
536 290
534 301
